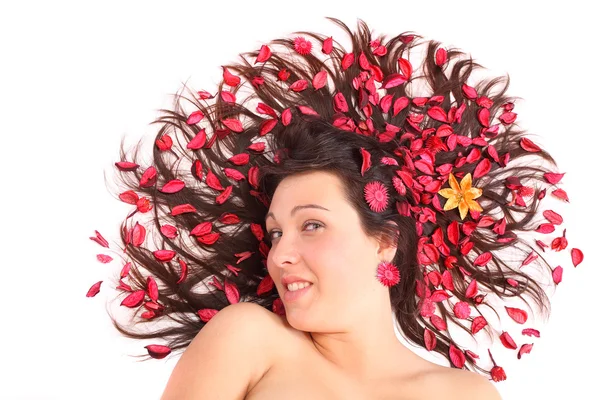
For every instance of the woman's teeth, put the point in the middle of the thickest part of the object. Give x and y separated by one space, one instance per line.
296 286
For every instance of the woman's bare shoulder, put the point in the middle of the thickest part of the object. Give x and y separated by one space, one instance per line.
463 384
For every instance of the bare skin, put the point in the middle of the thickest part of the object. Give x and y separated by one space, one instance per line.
338 341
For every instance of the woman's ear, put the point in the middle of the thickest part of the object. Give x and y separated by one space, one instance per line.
388 244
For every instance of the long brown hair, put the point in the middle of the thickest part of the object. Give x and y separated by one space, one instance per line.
226 262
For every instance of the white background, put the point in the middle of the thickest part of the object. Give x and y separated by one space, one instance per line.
77 76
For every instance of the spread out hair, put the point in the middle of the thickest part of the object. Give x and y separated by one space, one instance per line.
429 158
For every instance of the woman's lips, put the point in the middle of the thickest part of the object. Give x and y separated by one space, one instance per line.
291 296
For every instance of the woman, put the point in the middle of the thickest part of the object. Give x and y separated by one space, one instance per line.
392 205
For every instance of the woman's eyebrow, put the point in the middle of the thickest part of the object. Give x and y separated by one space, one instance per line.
298 207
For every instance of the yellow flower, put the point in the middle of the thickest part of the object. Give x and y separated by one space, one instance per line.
462 196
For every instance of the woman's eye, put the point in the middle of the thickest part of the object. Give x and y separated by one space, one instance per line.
318 225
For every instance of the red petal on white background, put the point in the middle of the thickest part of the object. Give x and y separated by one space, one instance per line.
195 117
561 194
327 45
518 315
478 324
430 339
441 55
197 141
99 239
438 322
528 145
138 235
126 166
439 295
471 289
169 231
227 96
508 341
553 217
553 178
229 78
94 289
576 256
263 54
103 258
152 288
469 91
531 332
483 259
347 61
545 228
233 124
525 349
158 351
457 357
405 67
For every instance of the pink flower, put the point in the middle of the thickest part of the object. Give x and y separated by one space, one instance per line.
302 46
388 274
376 195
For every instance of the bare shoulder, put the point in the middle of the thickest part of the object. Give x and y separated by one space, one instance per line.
467 385
229 355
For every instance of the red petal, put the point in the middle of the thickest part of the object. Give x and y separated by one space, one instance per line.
138 235
545 228
231 292
347 61
182 208
134 299
299 85
229 78
553 178
152 288
173 186
453 233
220 199
366 161
206 314
405 67
265 286
469 91
561 194
441 55
126 166
319 80
462 310
517 314
576 256
164 255
393 80
430 339
158 351
472 289
339 103
483 259
437 113
457 357
263 54
233 124
240 159
482 168
103 258
327 45
478 324
525 349
508 341
286 117
183 273
94 289
531 332
438 322
197 141
99 239
528 145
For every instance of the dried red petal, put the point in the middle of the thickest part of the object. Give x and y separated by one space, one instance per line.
99 239
327 45
478 324
388 274
263 54
553 217
182 208
231 292
482 259
545 228
103 258
430 339
129 197
265 286
164 255
441 55
126 166
553 178
319 80
482 168
184 270
518 315
299 85
158 351
94 289
134 299
498 374
576 256
471 289
508 341
222 198
233 124
209 238
456 356
376 195
437 113
197 141
531 332
347 61
525 349
366 161
152 288
561 194
528 145
206 314
393 80
438 322
138 235
229 78
173 186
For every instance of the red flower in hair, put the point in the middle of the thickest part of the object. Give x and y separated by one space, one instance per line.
376 195
302 45
388 274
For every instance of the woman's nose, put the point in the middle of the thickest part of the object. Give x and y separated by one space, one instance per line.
285 252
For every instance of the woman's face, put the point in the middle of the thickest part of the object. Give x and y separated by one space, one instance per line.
323 244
